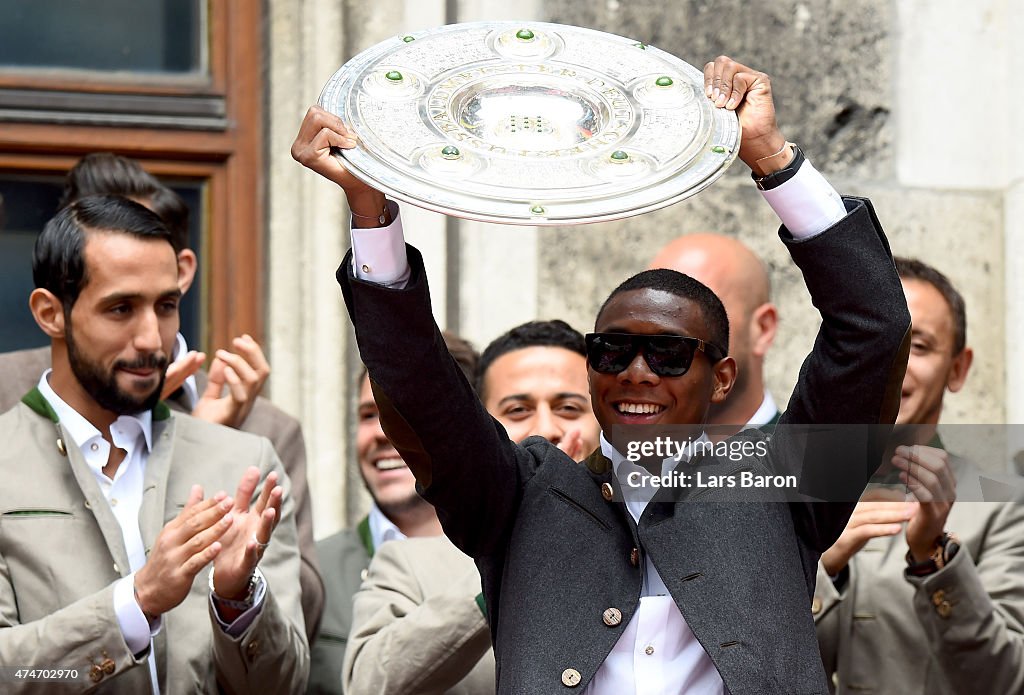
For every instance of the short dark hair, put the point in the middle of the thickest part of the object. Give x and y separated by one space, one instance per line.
913 269
105 173
58 259
684 286
553 333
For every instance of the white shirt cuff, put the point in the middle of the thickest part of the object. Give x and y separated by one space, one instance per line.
807 204
133 623
243 621
378 253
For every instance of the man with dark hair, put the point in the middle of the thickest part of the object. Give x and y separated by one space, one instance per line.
532 379
678 589
228 394
922 594
105 173
739 278
396 512
91 577
417 621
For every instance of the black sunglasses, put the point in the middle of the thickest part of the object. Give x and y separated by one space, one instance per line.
666 355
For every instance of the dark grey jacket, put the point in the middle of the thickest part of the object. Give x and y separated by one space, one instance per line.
554 554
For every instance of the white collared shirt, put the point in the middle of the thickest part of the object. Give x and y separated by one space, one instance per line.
382 529
765 412
657 653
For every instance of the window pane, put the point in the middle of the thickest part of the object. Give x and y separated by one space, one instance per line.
166 36
27 202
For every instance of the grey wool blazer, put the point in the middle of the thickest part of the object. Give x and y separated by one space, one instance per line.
554 553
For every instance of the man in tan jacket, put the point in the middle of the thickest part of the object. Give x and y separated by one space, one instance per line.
926 597
118 571
188 388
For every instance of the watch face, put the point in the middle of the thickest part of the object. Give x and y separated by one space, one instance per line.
530 123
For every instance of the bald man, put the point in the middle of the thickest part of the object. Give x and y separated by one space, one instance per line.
740 279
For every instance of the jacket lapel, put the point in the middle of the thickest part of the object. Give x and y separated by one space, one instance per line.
154 486
97 504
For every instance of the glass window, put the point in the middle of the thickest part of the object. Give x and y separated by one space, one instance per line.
27 202
161 36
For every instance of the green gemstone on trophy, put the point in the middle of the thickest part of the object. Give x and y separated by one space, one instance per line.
537 209
394 76
718 149
525 35
408 39
619 156
450 152
664 81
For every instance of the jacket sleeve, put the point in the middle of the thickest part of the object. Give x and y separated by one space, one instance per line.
76 637
462 458
272 654
850 382
403 642
972 610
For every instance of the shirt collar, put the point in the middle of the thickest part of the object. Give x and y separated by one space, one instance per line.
190 387
125 430
764 414
382 529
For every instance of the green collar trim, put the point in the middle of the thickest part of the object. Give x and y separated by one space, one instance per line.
597 463
363 529
37 403
34 400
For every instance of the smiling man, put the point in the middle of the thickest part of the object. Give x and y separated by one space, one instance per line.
105 535
662 594
533 380
396 512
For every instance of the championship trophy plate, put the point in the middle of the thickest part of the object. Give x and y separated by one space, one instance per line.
530 123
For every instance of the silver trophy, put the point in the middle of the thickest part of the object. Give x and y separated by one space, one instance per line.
530 123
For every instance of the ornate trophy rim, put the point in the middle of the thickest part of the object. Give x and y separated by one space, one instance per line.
530 123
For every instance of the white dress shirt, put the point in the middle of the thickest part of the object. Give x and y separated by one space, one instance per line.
657 653
382 529
765 412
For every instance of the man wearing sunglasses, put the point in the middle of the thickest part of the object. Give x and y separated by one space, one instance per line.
582 592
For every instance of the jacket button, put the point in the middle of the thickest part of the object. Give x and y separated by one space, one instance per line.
611 617
944 609
95 674
108 666
571 677
634 557
253 650
816 605
607 492
938 597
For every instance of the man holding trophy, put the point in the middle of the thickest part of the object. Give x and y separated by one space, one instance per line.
594 582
